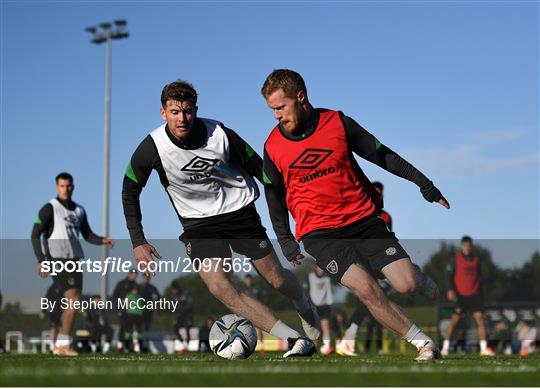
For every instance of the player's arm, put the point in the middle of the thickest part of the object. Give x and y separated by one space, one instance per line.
143 160
91 237
368 147
242 154
274 189
43 225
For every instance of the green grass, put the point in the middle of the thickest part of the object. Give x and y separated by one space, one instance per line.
268 370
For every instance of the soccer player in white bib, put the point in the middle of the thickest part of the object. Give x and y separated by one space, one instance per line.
61 221
208 173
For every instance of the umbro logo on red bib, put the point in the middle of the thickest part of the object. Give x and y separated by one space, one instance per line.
310 158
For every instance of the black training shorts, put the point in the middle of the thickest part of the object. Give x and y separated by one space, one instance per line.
324 311
367 242
241 230
469 304
68 280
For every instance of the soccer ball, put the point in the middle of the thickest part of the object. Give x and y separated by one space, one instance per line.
233 337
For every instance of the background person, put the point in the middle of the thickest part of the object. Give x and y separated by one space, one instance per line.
134 319
320 292
97 324
184 317
60 222
121 290
150 293
465 290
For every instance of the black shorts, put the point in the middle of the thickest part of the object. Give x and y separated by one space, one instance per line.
240 230
324 311
367 242
68 280
469 304
55 317
183 322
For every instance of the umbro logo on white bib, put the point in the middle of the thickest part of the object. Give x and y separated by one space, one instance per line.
199 165
72 220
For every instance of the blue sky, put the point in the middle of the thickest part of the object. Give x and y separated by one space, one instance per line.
451 86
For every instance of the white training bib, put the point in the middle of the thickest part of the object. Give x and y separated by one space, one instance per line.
202 183
64 240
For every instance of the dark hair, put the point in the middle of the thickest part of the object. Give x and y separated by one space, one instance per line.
378 185
467 239
288 80
178 90
64 176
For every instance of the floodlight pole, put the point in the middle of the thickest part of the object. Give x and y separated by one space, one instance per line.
104 287
105 33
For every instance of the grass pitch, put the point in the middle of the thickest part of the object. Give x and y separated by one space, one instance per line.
266 370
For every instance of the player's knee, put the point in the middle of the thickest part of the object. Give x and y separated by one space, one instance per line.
72 294
408 284
277 281
220 289
366 292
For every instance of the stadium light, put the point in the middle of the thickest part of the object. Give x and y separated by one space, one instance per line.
105 33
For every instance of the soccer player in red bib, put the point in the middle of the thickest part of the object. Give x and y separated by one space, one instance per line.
310 171
464 289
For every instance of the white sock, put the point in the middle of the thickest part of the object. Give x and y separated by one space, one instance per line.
177 345
417 338
301 304
483 345
446 345
62 340
350 333
326 342
282 331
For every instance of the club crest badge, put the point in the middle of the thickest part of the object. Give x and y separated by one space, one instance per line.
332 267
391 251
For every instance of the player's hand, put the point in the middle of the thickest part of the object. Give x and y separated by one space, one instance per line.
146 253
444 203
296 261
291 251
107 241
41 272
451 295
432 194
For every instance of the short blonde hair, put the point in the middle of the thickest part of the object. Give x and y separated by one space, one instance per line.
289 81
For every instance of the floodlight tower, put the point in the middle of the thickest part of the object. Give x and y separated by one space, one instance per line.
105 33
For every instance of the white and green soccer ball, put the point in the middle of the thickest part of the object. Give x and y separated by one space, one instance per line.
233 337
